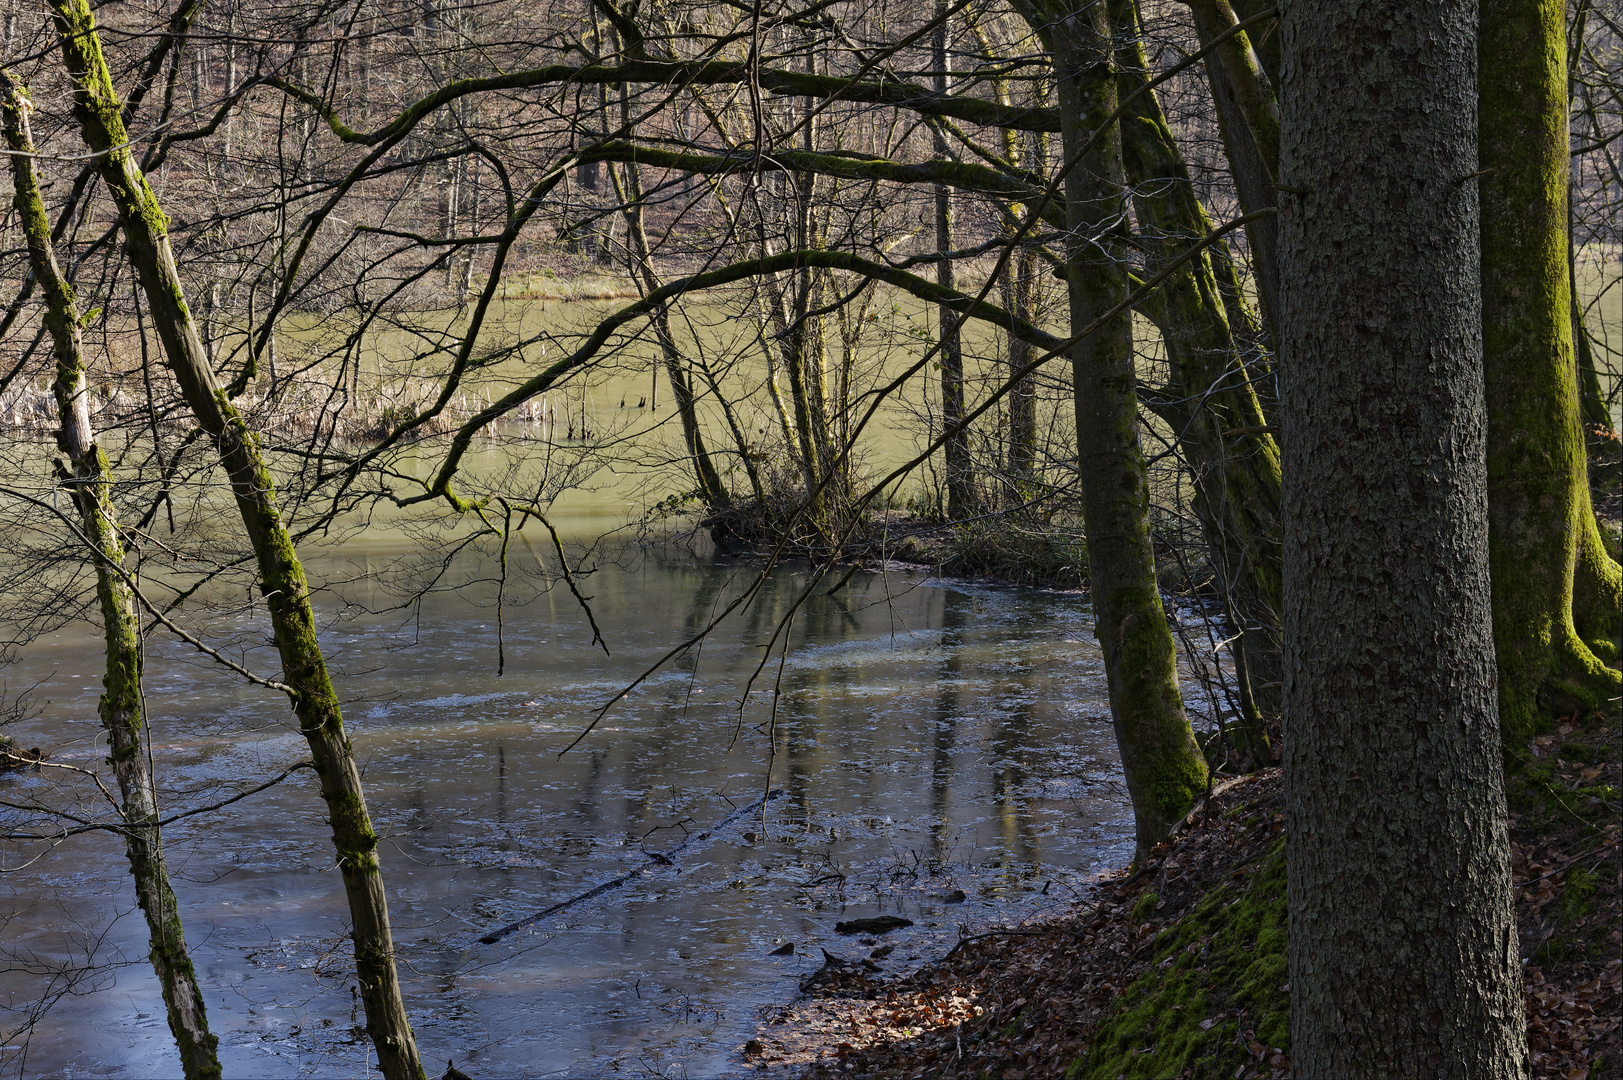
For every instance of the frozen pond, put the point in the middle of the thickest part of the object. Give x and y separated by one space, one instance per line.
928 737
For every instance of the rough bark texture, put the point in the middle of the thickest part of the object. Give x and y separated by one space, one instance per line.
1209 393
1163 765
1538 484
120 706
282 580
1403 958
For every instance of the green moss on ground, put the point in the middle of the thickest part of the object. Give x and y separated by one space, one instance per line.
1544 783
1216 983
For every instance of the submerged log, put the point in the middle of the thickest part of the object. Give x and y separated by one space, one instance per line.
654 859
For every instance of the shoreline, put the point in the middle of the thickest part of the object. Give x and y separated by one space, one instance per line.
1179 968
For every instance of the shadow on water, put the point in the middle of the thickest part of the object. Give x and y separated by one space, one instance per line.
932 738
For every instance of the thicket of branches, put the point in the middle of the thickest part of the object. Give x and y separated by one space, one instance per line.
843 255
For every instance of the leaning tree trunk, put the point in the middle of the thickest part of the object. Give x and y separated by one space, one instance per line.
1212 406
90 482
1403 945
1164 767
281 574
712 489
1542 535
1248 121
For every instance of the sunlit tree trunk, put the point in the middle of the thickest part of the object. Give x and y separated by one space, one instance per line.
1248 120
90 482
1555 589
1403 945
282 579
1018 287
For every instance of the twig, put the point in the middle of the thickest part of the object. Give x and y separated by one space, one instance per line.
613 883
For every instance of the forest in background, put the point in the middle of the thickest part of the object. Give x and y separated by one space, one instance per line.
1002 286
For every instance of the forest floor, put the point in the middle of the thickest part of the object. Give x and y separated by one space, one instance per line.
1179 969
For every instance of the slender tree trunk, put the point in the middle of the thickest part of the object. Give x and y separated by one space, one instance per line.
1163 765
960 474
804 416
282 578
120 706
1538 483
1018 288
711 487
1591 399
1022 453
1236 476
1248 120
1403 945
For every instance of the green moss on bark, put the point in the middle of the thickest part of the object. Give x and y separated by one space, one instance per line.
1158 751
281 574
1549 571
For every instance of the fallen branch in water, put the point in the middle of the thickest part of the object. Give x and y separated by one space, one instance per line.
654 859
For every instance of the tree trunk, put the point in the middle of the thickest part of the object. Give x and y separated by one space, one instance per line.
1022 452
1163 765
960 475
1264 39
1236 476
120 706
711 487
1403 946
1018 287
1538 484
1248 120
282 578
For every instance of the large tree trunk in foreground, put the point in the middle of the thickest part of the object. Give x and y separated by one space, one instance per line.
120 706
1164 767
281 574
1542 535
1403 946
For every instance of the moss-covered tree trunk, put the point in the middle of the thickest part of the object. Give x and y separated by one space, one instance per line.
282 580
1163 765
90 482
1555 590
1210 393
1248 121
1403 944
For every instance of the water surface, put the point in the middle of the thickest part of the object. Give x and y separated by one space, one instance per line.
927 737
